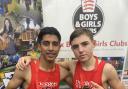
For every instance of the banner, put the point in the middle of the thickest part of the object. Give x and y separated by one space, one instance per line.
107 19
20 23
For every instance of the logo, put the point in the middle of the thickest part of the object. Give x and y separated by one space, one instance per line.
88 15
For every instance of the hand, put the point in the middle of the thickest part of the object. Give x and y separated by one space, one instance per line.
23 62
96 86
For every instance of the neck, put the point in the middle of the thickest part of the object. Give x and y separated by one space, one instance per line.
90 64
46 65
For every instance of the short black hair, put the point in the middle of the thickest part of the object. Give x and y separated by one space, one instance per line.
77 32
48 30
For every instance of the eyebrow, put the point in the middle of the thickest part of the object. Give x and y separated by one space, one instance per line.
82 42
49 41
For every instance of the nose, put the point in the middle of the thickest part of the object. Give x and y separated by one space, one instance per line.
80 48
50 47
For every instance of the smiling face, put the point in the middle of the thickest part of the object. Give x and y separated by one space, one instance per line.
49 47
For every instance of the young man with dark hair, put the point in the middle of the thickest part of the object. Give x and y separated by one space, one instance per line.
43 73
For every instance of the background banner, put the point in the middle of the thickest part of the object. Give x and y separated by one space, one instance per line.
107 19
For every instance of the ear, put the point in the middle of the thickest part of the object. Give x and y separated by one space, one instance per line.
39 47
60 46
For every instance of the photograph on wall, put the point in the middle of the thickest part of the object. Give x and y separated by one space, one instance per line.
117 62
125 73
20 23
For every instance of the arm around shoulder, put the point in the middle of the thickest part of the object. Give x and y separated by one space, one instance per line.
65 64
23 62
65 76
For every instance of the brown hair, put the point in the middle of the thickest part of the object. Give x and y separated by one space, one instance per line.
76 33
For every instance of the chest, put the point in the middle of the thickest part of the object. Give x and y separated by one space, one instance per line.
44 80
83 78
48 76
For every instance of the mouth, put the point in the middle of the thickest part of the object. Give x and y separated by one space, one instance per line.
51 55
82 56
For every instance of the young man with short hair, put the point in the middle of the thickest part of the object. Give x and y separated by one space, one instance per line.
43 73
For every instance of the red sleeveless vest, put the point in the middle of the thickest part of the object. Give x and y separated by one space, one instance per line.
82 78
44 80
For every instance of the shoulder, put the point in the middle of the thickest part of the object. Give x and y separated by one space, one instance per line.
25 71
66 63
108 67
109 71
73 62
62 69
112 77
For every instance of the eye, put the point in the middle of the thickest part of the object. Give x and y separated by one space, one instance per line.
55 43
75 46
84 43
45 43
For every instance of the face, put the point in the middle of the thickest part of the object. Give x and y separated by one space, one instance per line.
49 47
82 47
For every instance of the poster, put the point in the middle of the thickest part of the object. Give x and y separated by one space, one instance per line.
20 23
125 73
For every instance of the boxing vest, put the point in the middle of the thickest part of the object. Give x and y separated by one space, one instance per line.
82 77
44 80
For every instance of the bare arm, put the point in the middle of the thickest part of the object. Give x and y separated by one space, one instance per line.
113 78
65 64
24 62
17 80
65 76
68 80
